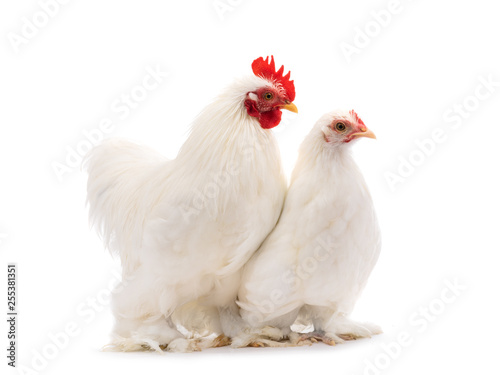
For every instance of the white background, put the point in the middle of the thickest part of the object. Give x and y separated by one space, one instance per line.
440 224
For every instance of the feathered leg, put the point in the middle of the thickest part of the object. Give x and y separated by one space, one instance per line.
331 327
146 334
140 323
270 333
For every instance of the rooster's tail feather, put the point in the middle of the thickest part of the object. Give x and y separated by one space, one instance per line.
118 193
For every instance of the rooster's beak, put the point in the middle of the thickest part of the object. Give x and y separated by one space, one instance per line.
291 107
364 132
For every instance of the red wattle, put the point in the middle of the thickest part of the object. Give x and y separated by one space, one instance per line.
270 119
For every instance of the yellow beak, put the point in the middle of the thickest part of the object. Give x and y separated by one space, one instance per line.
290 107
364 133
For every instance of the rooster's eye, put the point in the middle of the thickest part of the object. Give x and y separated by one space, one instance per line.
340 126
268 96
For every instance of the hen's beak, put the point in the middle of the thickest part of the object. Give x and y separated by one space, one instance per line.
364 132
291 107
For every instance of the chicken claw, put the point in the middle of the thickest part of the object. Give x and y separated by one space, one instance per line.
314 337
221 340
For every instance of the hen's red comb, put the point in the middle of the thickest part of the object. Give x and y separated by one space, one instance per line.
356 117
267 70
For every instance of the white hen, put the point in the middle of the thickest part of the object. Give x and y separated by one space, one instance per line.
317 260
184 228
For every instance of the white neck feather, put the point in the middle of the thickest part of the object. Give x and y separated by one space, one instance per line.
315 153
225 139
223 130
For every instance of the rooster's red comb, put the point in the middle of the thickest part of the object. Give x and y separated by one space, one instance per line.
267 70
356 117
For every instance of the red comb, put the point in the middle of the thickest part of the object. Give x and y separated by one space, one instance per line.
356 117
267 70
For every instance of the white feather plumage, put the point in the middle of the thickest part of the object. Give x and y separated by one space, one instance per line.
317 260
183 228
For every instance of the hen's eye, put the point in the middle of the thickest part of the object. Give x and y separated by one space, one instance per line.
268 96
340 126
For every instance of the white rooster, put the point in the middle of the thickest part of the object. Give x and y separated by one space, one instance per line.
183 228
317 260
